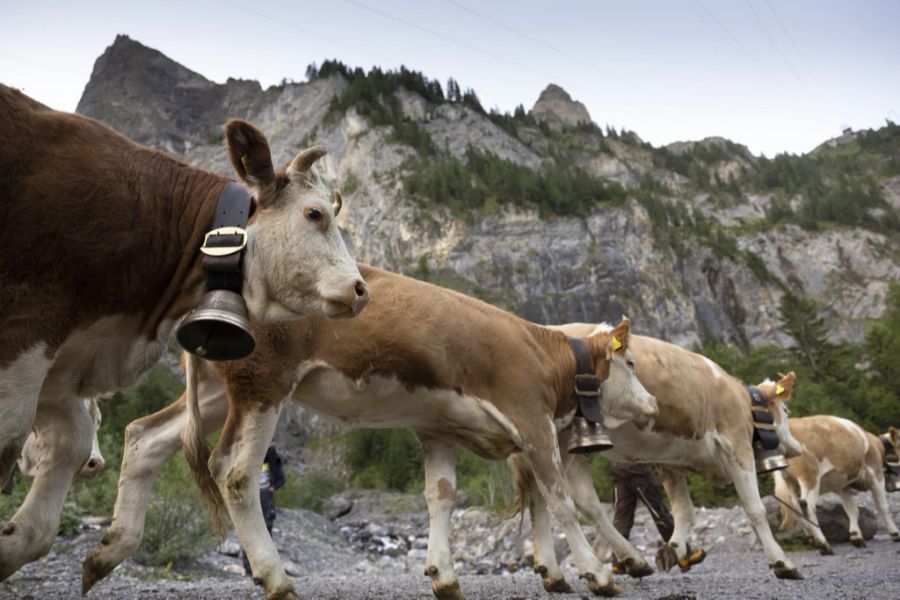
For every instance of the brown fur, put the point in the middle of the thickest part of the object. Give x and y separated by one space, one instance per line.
825 438
425 336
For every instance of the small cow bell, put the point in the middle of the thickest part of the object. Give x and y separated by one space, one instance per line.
892 482
218 328
768 460
588 436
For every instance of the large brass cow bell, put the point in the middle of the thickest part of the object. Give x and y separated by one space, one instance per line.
768 461
218 328
588 437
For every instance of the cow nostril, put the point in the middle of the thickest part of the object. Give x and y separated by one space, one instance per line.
92 464
361 288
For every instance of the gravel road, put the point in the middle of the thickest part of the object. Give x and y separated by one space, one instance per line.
870 573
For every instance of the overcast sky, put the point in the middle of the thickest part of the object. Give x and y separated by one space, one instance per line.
775 75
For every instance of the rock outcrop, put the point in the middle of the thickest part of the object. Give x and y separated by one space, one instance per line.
557 109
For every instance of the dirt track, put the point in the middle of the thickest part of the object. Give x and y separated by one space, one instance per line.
870 573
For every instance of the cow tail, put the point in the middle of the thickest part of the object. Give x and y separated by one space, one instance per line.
785 492
196 451
522 480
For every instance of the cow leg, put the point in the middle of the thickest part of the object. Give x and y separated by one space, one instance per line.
748 490
876 484
149 443
542 452
235 464
849 503
20 386
581 486
809 498
545 563
675 550
440 494
65 430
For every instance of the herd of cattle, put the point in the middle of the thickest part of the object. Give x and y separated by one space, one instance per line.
102 255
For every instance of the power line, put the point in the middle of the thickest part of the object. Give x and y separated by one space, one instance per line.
793 44
291 25
729 36
533 39
777 46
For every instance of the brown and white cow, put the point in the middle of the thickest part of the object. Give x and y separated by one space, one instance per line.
838 456
100 257
453 369
704 425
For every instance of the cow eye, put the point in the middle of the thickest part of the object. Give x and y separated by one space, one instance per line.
314 214
630 364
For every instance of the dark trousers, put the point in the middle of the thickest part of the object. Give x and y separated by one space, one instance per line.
249 571
637 482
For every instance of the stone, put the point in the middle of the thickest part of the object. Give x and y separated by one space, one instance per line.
293 569
229 548
836 526
557 109
337 506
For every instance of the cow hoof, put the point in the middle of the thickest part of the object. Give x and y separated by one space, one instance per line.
607 590
782 571
666 558
858 542
93 571
557 586
285 595
825 550
638 569
895 536
449 591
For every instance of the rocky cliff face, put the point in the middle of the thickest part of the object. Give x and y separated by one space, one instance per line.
557 109
593 267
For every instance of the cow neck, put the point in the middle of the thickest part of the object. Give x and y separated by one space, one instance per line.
188 196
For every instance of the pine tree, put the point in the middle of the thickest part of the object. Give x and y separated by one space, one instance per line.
799 315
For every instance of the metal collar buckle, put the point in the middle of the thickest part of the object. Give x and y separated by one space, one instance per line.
587 385
224 250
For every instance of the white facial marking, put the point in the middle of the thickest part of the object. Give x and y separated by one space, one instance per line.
624 397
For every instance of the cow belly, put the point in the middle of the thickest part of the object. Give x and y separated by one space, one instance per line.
109 355
377 402
631 444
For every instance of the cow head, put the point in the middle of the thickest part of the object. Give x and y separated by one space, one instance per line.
31 452
296 262
624 397
777 395
893 438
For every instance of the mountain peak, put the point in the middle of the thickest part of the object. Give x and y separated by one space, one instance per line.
556 108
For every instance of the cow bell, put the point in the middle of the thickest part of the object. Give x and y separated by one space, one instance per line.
218 328
588 436
768 460
892 482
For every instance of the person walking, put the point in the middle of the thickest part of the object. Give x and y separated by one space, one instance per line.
271 478
635 482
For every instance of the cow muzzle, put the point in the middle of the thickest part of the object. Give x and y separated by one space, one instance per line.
218 328
91 468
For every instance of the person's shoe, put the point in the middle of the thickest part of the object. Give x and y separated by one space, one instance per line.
694 557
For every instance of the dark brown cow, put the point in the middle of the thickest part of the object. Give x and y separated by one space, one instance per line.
99 258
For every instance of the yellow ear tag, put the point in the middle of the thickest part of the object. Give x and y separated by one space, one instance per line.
244 162
616 343
778 389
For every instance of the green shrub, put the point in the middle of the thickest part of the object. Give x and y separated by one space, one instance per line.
176 527
309 490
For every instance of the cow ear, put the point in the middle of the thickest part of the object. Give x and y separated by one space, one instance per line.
249 153
618 337
894 433
336 202
785 386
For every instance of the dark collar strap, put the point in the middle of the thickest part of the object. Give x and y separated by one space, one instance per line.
587 386
232 210
890 454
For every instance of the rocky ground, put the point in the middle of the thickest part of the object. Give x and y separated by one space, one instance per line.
374 547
